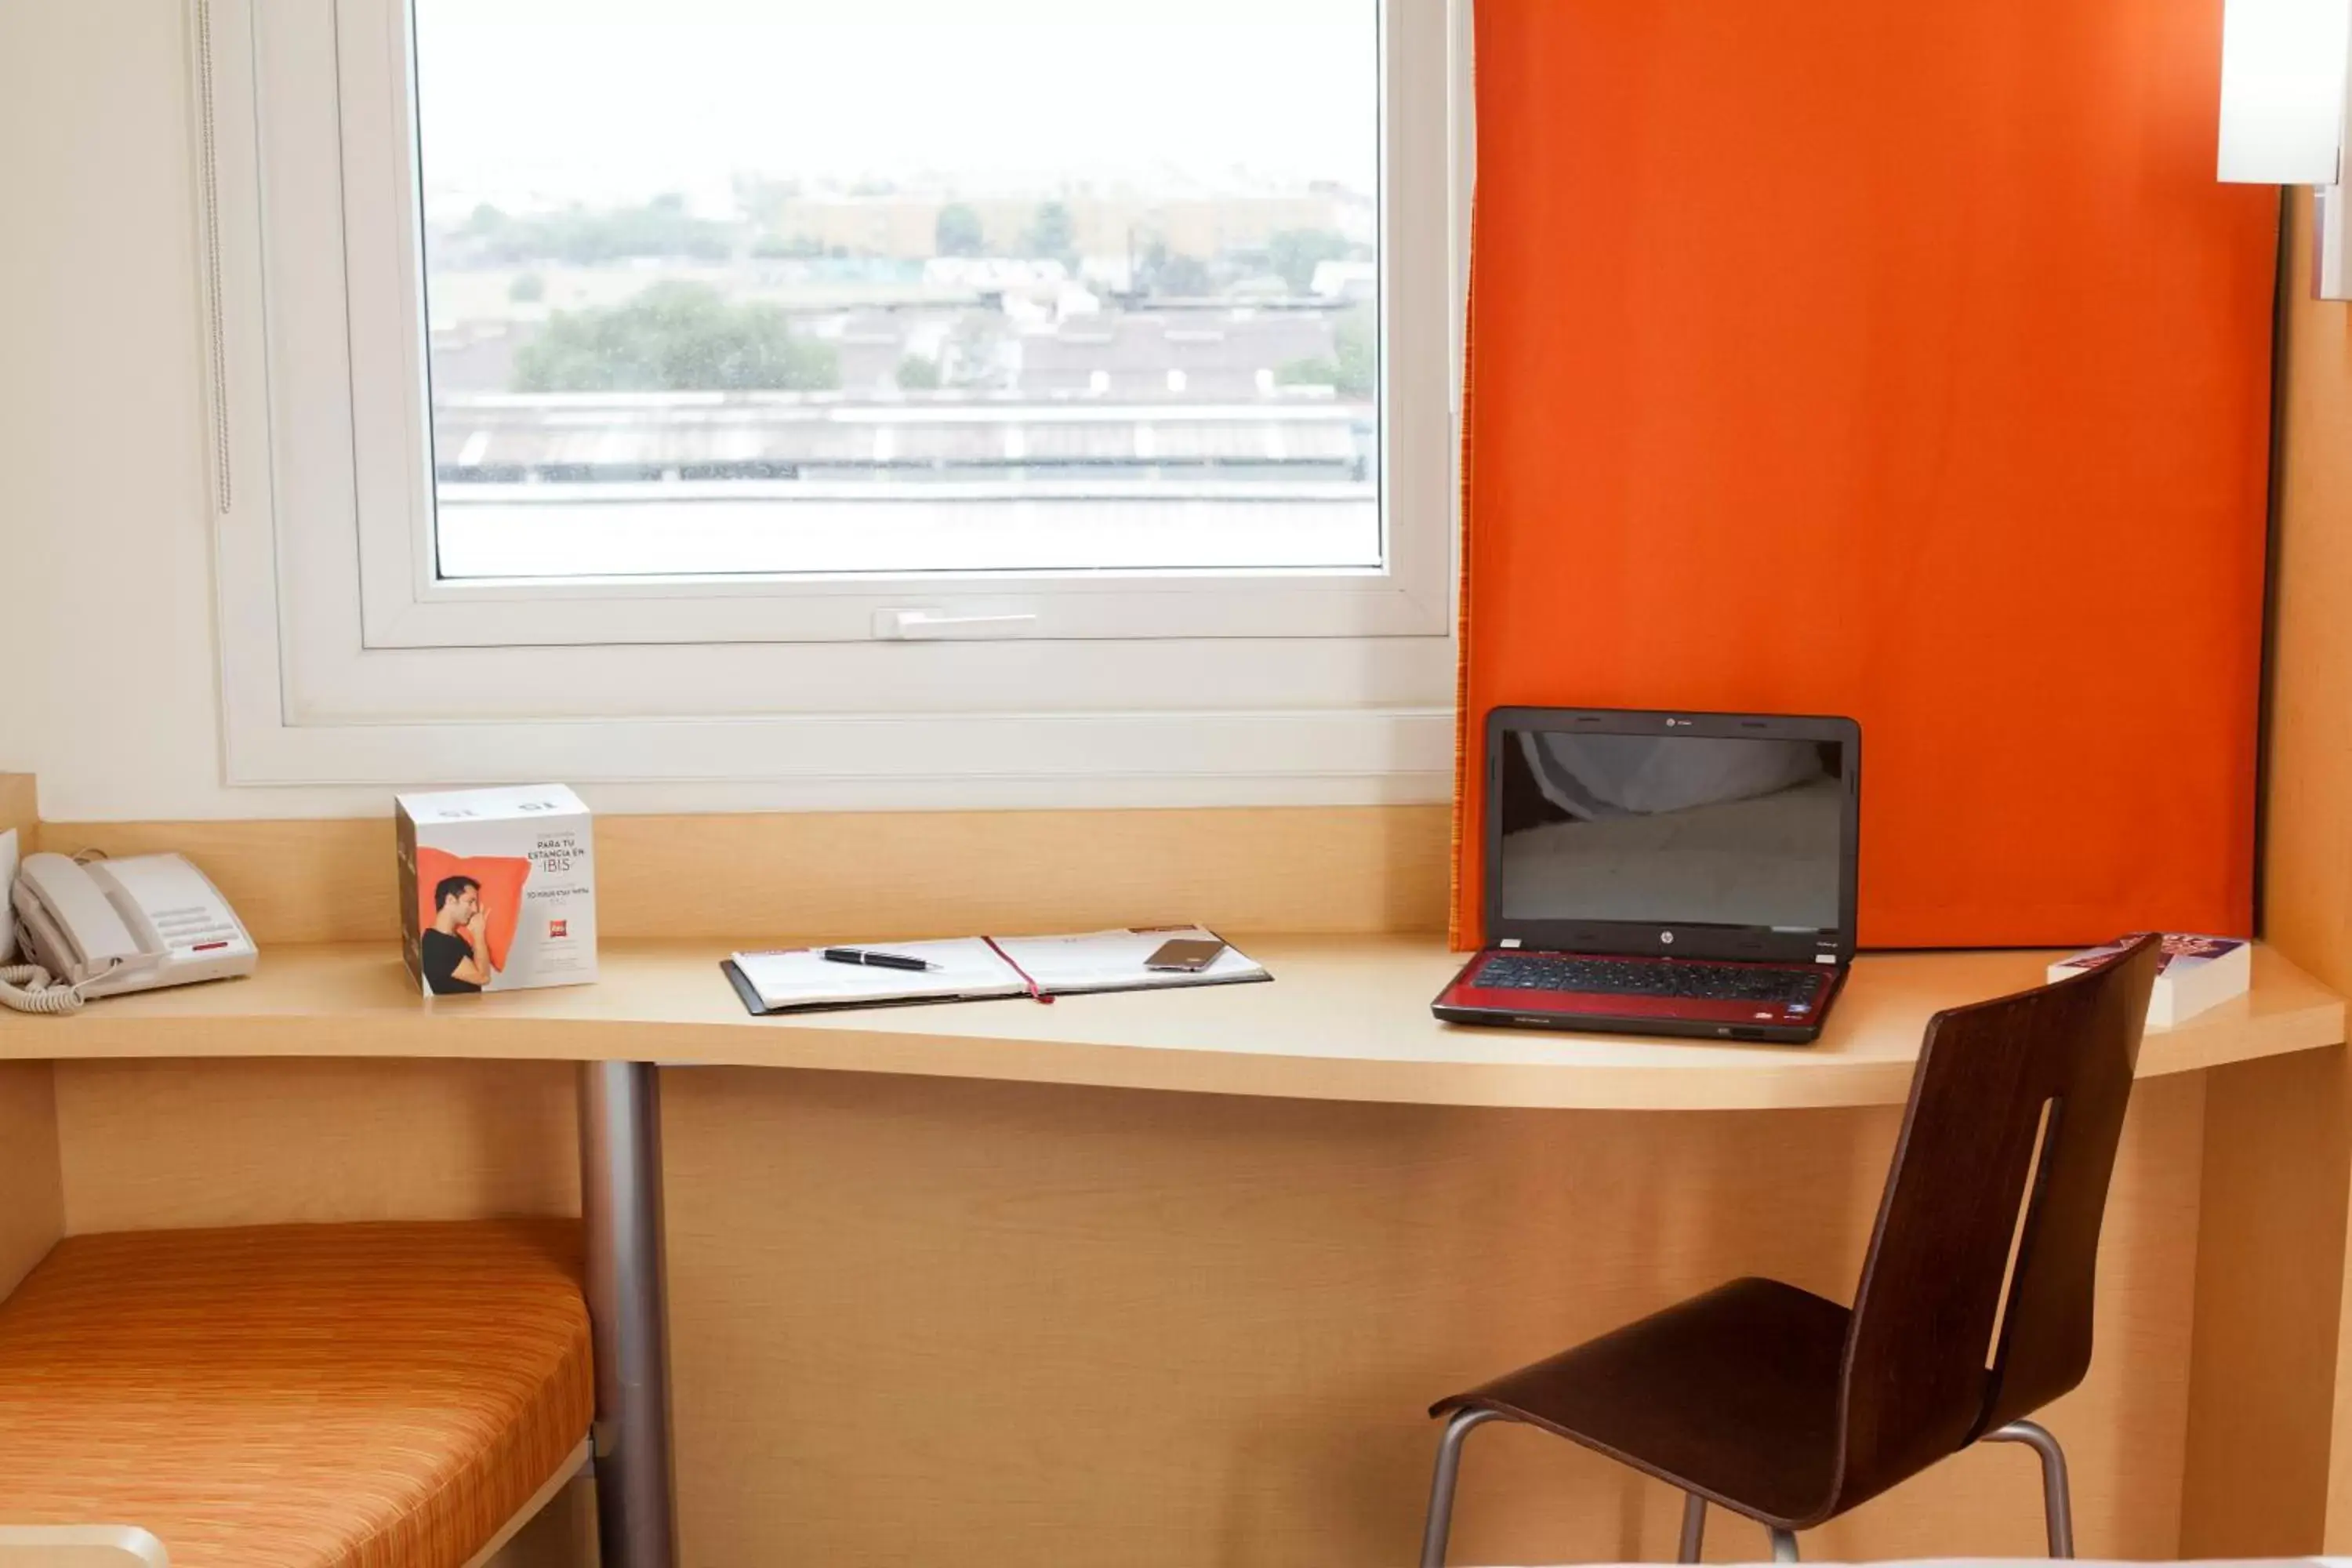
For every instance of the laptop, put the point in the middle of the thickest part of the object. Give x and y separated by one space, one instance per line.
1664 873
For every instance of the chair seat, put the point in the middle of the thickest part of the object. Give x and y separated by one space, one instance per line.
297 1397
1732 1394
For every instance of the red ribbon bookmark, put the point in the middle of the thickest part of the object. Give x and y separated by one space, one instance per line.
1035 995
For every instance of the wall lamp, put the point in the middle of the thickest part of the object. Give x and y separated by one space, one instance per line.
2284 66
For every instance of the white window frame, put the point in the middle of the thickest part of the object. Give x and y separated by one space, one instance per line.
346 661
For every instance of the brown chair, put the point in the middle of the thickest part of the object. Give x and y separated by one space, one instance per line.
1792 1409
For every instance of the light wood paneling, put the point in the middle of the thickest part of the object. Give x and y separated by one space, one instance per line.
19 808
883 874
32 1202
1346 1019
1363 868
2308 832
32 1214
922 1320
2307 864
167 1145
2269 1258
997 1324
331 880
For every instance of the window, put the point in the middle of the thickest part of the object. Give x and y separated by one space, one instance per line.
1032 286
616 362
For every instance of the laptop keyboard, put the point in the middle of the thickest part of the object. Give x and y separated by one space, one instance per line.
1612 976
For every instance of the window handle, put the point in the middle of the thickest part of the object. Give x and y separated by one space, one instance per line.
934 626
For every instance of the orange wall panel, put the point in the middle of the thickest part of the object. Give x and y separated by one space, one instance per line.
1904 362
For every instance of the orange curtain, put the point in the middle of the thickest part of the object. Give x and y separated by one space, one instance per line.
1898 361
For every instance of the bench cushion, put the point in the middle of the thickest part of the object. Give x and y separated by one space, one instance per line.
297 1397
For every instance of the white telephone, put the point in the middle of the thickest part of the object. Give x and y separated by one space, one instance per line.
112 926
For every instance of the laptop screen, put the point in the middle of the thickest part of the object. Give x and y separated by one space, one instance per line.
1672 829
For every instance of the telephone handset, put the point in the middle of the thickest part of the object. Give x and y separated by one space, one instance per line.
112 926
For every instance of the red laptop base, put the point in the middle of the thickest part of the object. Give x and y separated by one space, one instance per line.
1790 1022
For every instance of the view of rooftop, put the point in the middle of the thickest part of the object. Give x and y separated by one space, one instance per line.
714 303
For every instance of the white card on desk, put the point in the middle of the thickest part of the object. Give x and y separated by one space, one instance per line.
1114 960
804 977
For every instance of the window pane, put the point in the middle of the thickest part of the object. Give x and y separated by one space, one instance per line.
776 286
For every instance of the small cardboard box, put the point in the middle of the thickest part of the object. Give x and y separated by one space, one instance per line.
497 888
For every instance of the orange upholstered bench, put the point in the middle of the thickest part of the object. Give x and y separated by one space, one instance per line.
297 1396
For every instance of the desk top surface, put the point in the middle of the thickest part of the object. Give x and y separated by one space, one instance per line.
1346 1019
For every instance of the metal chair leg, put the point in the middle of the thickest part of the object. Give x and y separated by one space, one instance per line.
1784 1546
1693 1528
2057 1501
1441 1488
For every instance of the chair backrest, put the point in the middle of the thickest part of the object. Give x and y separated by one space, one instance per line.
2007 1143
78 1546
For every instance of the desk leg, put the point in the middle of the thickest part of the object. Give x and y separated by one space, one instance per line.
621 1212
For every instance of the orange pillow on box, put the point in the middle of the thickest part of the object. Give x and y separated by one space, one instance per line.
501 878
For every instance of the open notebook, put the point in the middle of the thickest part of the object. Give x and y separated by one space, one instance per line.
977 968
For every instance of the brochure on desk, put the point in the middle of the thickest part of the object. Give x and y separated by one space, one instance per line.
978 969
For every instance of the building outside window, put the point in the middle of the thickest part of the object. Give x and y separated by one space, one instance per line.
758 286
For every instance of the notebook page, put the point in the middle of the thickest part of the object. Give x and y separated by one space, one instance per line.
800 977
1113 960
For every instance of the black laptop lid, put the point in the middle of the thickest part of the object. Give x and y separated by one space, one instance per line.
1682 835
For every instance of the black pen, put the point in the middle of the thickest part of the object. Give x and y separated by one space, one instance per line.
878 960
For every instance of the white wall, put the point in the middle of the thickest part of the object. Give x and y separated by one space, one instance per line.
102 470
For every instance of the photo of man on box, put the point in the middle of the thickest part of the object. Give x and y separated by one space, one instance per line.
456 950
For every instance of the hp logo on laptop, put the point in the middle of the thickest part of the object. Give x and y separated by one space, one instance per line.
1667 937
1678 723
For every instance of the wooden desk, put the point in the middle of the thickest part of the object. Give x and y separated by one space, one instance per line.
1346 1019
940 1276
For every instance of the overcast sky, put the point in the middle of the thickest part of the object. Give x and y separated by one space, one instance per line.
603 100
